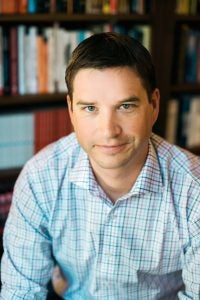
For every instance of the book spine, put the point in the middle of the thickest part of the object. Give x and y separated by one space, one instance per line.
1 61
172 120
23 6
13 60
32 6
6 61
21 60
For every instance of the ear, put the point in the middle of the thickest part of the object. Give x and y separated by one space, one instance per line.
70 110
155 100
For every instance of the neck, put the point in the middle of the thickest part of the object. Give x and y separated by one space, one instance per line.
118 182
115 186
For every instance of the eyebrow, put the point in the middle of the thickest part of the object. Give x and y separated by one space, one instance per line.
129 99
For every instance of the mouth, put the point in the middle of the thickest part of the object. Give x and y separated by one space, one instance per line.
111 149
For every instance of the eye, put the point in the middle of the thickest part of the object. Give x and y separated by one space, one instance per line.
127 106
89 108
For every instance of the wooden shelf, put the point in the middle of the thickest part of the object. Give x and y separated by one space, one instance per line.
7 173
60 17
33 99
186 18
186 88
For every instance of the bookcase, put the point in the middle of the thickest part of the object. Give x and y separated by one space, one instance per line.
165 40
180 67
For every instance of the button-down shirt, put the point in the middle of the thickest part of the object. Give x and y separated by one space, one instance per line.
144 246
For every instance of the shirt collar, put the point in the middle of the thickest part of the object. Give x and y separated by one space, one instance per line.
81 173
149 179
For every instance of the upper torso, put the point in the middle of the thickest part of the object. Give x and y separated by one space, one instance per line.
132 249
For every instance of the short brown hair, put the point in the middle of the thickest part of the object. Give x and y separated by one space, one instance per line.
107 50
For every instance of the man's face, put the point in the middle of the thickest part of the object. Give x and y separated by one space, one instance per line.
112 116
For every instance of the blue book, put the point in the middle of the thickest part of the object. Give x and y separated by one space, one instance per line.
32 6
191 57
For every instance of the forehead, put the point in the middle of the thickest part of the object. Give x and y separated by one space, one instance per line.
109 85
121 76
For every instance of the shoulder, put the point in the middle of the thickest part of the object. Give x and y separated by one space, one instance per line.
43 176
175 161
54 160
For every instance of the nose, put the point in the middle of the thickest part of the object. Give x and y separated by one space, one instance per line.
110 125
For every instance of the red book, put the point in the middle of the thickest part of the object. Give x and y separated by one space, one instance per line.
13 60
44 128
9 6
113 6
22 6
50 125
64 126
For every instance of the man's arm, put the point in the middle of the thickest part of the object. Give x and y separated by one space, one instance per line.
27 261
191 261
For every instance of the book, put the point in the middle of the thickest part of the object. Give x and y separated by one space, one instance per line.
193 133
183 121
31 59
22 6
13 60
1 62
42 63
32 6
172 120
181 53
50 125
21 59
94 6
23 134
16 139
191 57
5 203
6 61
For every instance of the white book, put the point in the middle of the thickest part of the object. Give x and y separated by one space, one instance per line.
50 58
21 59
193 134
16 139
31 59
55 58
64 57
172 120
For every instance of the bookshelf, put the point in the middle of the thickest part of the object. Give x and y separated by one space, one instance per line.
164 23
180 80
34 102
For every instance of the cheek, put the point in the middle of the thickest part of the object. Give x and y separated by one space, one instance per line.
140 125
83 129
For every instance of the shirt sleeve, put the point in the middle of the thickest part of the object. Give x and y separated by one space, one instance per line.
27 261
191 264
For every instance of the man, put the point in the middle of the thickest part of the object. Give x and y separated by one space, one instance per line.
116 207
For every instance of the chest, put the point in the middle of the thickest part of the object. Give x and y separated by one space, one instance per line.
137 234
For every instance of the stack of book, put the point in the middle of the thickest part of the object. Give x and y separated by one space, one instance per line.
183 121
33 60
5 202
24 134
75 6
188 50
187 7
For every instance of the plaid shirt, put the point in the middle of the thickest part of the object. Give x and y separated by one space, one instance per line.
145 246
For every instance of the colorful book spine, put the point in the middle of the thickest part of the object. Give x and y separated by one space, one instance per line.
13 60
1 62
21 60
